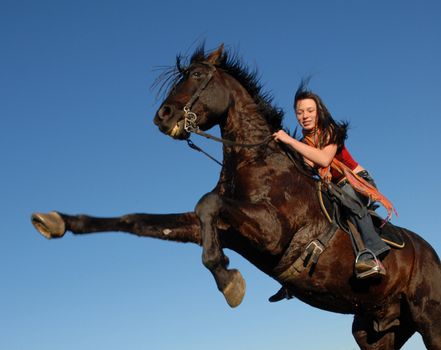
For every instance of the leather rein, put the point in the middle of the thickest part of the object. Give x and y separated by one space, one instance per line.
190 126
190 120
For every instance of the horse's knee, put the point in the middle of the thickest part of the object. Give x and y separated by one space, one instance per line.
208 206
210 260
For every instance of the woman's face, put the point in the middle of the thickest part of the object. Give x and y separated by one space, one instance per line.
306 112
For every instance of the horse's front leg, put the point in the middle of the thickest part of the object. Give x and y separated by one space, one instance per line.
229 282
183 227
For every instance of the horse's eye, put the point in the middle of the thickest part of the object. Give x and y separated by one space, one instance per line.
196 74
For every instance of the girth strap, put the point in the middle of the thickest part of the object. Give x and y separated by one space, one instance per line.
310 256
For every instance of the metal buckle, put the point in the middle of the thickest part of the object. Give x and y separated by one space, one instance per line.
190 119
312 253
317 246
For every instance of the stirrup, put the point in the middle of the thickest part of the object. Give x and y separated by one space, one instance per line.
377 268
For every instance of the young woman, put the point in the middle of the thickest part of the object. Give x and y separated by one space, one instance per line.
323 148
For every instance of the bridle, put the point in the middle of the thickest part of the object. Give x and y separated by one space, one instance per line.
190 118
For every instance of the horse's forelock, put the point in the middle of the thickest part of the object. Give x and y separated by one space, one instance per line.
199 54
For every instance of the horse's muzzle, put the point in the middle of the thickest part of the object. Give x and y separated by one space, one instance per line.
178 132
166 120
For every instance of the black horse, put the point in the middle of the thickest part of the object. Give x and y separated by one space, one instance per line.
265 207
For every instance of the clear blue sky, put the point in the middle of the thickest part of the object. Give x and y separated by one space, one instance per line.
77 136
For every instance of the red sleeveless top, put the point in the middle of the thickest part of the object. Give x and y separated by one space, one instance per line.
345 157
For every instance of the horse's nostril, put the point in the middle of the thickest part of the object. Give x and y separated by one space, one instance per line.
165 112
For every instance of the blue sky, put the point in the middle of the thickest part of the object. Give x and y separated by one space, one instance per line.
77 136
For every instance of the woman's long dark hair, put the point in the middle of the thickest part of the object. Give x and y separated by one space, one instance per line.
331 132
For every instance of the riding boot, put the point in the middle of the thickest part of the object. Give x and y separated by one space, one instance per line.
367 265
282 293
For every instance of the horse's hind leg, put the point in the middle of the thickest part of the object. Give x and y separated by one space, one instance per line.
424 297
229 282
427 318
392 339
431 336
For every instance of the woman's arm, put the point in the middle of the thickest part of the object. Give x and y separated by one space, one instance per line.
319 157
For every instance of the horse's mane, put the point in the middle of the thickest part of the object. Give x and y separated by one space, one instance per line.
233 65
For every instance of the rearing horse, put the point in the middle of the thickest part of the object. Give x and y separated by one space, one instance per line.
265 208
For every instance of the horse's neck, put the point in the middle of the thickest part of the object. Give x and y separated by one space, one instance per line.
245 123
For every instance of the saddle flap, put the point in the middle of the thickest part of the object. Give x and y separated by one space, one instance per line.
389 233
332 208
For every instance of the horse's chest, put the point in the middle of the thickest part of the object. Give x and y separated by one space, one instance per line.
246 185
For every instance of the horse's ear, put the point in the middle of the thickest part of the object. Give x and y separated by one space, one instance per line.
216 56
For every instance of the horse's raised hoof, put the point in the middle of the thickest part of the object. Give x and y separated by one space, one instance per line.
235 289
50 225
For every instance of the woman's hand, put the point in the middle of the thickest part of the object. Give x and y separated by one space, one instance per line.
313 156
282 136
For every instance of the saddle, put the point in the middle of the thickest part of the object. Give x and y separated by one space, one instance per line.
333 201
334 204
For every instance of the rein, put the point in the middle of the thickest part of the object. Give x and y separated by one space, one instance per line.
228 143
190 123
190 126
